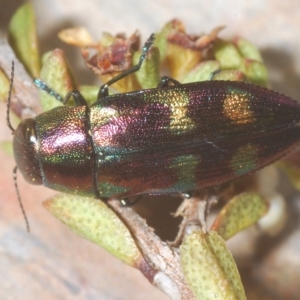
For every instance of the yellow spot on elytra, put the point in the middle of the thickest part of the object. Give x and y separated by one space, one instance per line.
180 122
102 116
237 108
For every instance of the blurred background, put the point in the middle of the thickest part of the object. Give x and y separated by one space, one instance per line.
54 263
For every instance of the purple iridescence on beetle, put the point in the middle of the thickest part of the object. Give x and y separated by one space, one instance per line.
166 140
191 136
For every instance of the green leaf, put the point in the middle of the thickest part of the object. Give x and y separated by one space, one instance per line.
227 55
239 213
23 38
93 220
202 72
161 38
90 93
248 50
256 72
232 75
57 75
209 268
148 76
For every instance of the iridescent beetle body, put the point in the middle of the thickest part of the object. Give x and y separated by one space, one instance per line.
174 138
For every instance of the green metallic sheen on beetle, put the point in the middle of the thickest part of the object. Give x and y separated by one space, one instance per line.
172 139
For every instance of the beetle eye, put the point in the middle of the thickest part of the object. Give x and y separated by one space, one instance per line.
28 131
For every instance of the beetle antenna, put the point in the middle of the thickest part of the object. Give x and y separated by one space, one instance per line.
13 130
9 98
104 88
40 84
19 198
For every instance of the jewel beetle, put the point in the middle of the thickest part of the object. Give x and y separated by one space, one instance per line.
175 138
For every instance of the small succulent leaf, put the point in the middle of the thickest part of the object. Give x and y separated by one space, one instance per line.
256 72
239 213
248 50
209 268
228 55
93 220
202 71
89 93
181 60
148 76
161 37
231 75
23 38
56 74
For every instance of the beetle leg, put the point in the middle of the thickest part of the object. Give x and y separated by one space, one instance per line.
78 98
103 91
166 81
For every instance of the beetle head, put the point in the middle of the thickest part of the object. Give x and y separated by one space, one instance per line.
26 145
